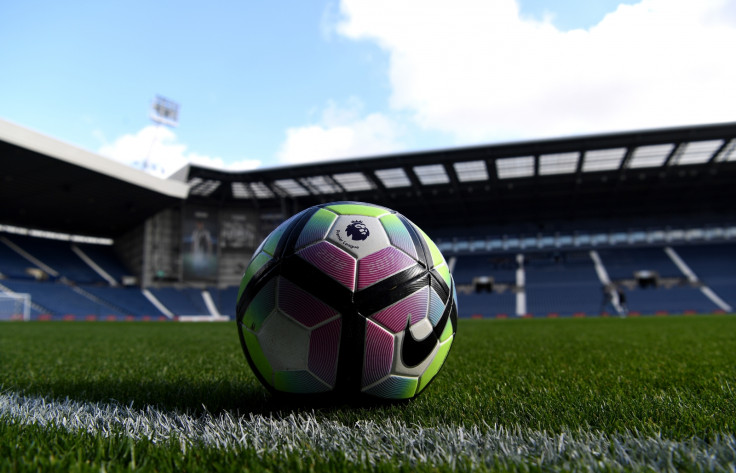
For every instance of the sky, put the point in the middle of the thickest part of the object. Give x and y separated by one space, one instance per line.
282 82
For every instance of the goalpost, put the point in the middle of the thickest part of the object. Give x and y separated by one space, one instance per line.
15 306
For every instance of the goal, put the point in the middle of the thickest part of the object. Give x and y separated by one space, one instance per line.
15 306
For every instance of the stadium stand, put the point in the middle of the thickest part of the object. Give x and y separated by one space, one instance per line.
12 264
61 299
715 266
557 283
104 256
564 298
181 301
624 263
225 299
130 300
483 205
57 255
501 268
563 283
675 300
487 305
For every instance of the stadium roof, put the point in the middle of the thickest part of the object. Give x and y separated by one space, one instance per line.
51 185
653 172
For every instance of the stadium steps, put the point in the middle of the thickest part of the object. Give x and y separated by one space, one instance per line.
157 303
181 301
695 281
56 257
130 299
674 300
487 305
93 265
104 256
225 298
605 281
37 264
210 304
97 300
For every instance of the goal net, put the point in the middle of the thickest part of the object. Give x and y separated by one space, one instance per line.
15 306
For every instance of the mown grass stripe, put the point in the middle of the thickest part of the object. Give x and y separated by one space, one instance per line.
371 442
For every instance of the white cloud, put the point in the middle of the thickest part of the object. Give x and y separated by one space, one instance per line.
478 70
341 133
158 150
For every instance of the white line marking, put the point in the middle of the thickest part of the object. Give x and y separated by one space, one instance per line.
368 442
210 304
521 285
157 303
710 294
29 257
693 278
681 265
603 277
96 267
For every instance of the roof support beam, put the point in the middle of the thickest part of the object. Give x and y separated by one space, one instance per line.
727 145
674 154
626 159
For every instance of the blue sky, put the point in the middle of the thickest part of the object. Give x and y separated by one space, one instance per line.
289 81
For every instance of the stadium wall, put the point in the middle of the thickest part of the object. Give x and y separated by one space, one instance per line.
158 251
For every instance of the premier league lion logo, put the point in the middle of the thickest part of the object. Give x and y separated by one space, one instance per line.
357 230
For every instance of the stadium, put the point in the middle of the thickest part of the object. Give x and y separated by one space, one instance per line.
532 229
634 232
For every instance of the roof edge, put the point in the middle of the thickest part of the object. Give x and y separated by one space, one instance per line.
43 144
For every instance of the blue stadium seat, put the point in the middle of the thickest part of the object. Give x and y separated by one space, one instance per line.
105 257
677 300
622 263
61 299
486 304
13 265
715 266
59 256
502 268
564 298
130 300
225 299
181 301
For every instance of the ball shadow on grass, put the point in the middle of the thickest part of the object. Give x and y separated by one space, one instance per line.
235 397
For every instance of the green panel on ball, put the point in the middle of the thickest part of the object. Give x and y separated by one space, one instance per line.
297 382
255 264
316 228
439 359
398 234
437 258
262 305
272 240
357 209
445 273
447 332
256 354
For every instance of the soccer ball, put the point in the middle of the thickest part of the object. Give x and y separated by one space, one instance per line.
347 297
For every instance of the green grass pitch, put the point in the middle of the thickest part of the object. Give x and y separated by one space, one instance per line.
612 394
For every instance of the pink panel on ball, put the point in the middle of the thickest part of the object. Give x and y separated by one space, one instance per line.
302 306
324 343
379 353
394 317
380 265
336 263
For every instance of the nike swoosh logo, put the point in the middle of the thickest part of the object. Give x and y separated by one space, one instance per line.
413 351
